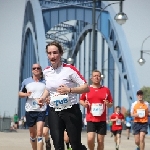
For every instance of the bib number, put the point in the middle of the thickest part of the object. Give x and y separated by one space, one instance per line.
60 102
141 113
128 124
118 122
97 109
34 104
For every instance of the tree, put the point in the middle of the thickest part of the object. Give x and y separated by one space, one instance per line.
146 91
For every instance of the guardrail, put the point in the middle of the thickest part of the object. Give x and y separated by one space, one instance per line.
5 124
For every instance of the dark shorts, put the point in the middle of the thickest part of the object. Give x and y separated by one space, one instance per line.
115 132
46 121
16 122
33 117
140 127
128 127
98 127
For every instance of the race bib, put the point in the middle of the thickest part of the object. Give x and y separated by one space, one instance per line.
35 104
118 122
97 109
141 113
60 102
128 124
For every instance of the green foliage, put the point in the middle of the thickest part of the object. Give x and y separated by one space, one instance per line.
146 91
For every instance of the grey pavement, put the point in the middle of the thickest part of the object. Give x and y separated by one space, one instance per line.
20 141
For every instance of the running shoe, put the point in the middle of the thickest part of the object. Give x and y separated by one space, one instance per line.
128 138
117 147
69 148
137 148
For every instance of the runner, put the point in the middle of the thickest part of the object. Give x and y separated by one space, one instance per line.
117 118
32 88
16 121
46 131
96 101
65 113
110 127
140 110
66 140
128 122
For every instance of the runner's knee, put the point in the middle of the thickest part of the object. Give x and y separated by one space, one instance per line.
32 139
39 139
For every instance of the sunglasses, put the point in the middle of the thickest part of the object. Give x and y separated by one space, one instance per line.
38 68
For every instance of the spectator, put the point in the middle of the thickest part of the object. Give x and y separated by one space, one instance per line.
85 122
16 119
20 124
24 121
128 122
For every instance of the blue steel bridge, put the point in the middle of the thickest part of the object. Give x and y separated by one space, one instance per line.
70 23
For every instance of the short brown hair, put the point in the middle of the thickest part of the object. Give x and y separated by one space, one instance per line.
55 43
118 107
140 92
96 71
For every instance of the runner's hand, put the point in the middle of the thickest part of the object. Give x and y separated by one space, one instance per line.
86 104
28 94
63 89
136 115
40 102
47 100
106 101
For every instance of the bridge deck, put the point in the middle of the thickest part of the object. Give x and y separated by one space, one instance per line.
20 140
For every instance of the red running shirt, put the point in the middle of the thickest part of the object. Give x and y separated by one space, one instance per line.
97 95
117 125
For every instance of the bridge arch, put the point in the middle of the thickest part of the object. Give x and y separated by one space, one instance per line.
109 35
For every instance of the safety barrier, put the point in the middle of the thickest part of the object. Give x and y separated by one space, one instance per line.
5 124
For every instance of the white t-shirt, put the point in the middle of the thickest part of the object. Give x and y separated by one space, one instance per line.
37 89
67 75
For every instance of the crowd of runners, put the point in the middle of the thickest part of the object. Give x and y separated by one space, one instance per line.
52 108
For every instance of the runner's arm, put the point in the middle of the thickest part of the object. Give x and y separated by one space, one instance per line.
79 90
113 119
84 103
109 104
132 111
122 120
45 94
22 94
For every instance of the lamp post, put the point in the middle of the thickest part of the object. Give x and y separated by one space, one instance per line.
70 61
141 60
120 18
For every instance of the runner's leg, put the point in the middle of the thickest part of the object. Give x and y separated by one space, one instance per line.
73 122
100 141
101 128
57 127
33 140
91 140
66 139
46 134
31 122
142 140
